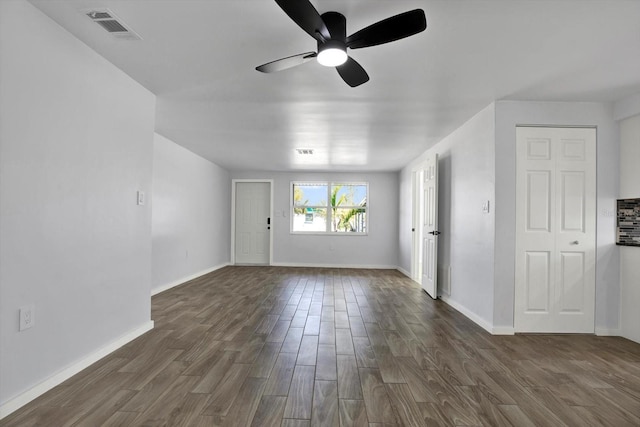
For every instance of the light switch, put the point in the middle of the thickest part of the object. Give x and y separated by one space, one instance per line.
141 197
485 207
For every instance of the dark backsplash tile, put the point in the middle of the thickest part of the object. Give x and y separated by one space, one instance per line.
628 230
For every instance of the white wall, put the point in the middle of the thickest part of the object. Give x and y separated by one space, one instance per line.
76 140
466 181
630 256
627 107
512 113
191 215
467 157
378 249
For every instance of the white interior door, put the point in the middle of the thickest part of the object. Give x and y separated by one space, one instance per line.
430 227
252 222
555 230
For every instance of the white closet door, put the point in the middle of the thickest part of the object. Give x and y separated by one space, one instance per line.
555 236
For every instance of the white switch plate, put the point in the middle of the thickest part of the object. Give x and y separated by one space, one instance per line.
608 213
27 317
141 197
485 207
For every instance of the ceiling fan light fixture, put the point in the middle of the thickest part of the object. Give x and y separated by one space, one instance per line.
332 53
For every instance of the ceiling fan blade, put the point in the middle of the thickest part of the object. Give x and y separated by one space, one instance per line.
391 29
307 17
352 73
288 62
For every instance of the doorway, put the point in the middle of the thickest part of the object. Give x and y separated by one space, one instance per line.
555 230
417 178
251 242
425 226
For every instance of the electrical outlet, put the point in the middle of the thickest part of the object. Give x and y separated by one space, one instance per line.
27 317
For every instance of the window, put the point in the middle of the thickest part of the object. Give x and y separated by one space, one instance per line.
329 207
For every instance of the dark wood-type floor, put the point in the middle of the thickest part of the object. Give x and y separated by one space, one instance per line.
294 347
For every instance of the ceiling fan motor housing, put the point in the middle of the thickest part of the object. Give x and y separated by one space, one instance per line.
333 52
336 24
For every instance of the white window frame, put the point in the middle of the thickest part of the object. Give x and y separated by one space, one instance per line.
328 231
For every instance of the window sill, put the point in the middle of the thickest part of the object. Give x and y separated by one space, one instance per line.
319 233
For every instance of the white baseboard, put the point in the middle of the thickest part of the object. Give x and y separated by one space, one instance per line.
306 264
493 330
175 283
469 314
631 337
503 330
605 332
46 385
405 272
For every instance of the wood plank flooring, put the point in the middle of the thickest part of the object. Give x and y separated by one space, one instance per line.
294 347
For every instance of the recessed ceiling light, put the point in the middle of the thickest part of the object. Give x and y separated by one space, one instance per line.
307 151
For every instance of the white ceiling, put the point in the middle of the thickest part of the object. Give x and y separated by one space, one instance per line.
199 58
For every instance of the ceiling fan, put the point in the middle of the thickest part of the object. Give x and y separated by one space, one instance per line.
330 31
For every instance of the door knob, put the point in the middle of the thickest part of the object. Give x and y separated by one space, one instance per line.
575 242
434 232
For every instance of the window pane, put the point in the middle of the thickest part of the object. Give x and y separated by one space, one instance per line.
349 220
348 195
310 219
309 194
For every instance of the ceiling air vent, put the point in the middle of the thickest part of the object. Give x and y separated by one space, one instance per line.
307 151
110 22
